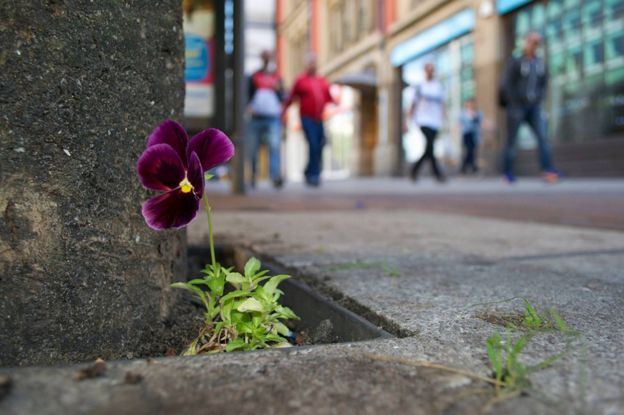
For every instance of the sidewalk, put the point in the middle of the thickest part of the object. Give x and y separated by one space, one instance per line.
446 264
579 202
439 281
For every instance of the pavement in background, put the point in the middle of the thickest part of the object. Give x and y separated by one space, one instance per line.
580 202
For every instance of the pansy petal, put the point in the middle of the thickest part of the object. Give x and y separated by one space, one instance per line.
172 133
173 209
212 146
196 175
160 168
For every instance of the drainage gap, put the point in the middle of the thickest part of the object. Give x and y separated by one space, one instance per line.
322 319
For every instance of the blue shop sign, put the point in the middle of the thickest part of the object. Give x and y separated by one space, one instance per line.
197 63
505 6
455 26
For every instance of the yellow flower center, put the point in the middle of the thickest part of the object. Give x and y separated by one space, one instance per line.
186 186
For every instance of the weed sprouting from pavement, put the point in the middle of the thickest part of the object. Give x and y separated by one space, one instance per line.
503 355
511 375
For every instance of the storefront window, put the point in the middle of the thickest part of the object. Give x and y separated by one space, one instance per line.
584 50
554 8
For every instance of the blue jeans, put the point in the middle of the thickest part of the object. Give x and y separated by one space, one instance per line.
265 130
315 135
534 116
470 144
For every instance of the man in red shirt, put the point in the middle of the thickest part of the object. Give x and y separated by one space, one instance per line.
312 92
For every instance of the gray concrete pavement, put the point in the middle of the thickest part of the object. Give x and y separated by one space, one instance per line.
448 263
435 278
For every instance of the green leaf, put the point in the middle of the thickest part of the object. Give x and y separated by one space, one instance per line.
260 276
274 338
251 267
216 284
234 294
282 329
285 313
226 310
250 304
243 327
195 290
235 278
493 345
518 346
235 344
192 349
271 285
209 271
532 318
262 296
259 320
281 345
198 281
561 324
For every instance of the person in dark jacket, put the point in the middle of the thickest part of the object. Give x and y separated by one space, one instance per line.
523 90
266 93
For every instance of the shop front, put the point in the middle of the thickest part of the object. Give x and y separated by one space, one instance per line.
584 53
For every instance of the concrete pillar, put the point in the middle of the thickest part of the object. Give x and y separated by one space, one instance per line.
388 161
82 85
488 64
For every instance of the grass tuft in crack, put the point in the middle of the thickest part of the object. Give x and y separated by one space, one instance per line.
511 375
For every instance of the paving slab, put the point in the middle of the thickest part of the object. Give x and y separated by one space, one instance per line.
435 275
430 279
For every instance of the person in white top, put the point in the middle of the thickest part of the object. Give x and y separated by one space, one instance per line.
427 110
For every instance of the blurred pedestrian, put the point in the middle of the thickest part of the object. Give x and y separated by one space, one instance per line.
523 88
266 94
470 121
312 92
427 111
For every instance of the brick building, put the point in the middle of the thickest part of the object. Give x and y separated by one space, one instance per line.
378 47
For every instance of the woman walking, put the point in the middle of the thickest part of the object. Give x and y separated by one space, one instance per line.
427 110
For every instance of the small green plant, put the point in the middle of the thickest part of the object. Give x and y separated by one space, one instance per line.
240 313
391 270
548 320
533 320
503 355
246 317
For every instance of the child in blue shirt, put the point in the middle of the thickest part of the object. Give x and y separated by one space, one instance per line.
470 121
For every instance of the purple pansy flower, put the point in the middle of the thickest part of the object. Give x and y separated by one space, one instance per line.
175 165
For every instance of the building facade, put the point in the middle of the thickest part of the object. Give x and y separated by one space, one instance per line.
377 50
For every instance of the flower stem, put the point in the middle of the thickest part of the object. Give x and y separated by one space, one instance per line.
210 235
